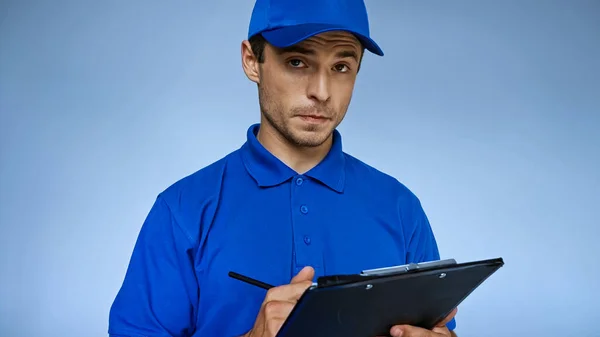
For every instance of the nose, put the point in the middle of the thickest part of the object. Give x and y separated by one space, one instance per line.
318 87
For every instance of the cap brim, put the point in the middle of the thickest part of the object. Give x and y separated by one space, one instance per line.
291 35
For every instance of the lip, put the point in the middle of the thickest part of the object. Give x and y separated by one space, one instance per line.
313 117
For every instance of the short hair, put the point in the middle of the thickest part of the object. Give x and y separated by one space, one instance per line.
257 43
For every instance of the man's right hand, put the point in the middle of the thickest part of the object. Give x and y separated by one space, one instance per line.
278 304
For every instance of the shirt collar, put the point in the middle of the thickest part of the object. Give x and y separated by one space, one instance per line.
267 170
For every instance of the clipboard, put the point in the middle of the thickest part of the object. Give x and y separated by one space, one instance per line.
370 303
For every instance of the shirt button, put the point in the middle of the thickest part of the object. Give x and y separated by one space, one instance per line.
299 181
304 209
307 240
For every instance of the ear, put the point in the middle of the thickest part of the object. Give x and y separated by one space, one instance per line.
250 63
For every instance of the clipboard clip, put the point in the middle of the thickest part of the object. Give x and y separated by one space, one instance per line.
408 268
368 274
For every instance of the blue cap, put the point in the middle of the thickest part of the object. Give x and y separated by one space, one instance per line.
284 23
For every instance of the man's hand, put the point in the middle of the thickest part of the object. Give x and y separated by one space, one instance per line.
411 331
278 304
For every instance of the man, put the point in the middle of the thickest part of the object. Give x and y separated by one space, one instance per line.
286 207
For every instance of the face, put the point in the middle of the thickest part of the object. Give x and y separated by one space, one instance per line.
305 90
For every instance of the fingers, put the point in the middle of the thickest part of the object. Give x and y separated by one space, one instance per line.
276 312
306 274
292 291
439 330
413 331
288 292
448 318
276 309
279 303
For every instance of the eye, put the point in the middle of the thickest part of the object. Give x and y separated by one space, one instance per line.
342 68
296 63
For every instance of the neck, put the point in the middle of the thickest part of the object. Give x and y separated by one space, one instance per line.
298 158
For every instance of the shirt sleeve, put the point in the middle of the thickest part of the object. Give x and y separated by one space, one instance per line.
422 245
159 294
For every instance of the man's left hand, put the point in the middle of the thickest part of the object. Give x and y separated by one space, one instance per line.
440 330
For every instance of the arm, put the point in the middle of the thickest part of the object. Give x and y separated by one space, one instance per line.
421 242
159 294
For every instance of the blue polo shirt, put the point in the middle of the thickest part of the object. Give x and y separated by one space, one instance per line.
251 214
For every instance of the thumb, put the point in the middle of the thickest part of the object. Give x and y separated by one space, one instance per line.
448 318
413 331
306 274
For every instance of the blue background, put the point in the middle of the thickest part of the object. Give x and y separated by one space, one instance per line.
488 110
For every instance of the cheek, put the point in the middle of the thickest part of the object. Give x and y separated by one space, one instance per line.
278 83
288 90
343 95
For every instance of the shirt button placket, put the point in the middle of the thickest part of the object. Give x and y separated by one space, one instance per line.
304 209
301 224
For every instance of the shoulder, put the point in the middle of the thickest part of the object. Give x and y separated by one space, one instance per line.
389 196
193 200
376 180
197 186
386 195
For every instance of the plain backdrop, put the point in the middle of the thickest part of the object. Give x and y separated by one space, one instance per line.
488 110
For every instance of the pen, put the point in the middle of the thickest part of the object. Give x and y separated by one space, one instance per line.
250 280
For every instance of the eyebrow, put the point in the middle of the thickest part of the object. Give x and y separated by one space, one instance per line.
307 51
347 53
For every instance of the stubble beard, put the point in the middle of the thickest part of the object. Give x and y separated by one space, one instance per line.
270 108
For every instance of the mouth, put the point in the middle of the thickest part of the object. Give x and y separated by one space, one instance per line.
313 118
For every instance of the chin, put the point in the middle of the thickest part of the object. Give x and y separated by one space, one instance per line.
309 138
